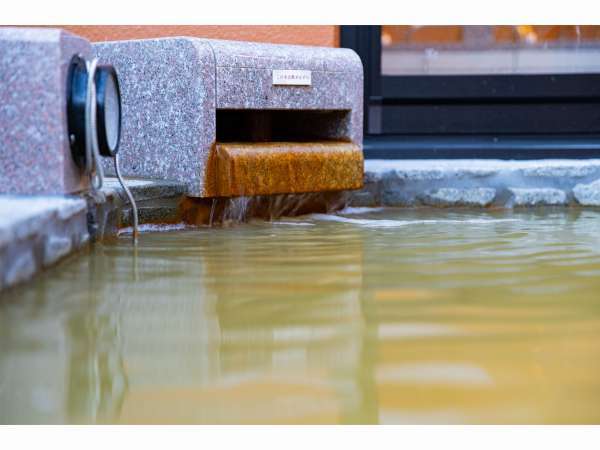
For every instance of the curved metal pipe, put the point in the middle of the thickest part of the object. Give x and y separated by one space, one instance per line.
130 197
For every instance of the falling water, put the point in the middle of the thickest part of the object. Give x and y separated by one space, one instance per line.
222 211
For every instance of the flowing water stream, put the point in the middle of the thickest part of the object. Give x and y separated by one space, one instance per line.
367 316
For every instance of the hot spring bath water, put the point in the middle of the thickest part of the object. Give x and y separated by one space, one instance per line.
367 316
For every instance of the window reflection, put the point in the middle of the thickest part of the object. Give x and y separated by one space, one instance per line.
474 49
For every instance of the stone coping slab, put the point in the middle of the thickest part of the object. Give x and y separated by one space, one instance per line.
484 183
38 231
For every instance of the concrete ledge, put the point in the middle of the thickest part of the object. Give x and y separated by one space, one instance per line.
480 183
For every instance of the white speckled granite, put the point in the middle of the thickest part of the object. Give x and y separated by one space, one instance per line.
168 107
588 194
454 182
36 232
35 157
537 196
244 80
459 197
172 87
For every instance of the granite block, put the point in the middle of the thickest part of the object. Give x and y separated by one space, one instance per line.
244 80
144 189
516 183
277 56
109 209
35 157
459 197
538 196
55 248
168 107
36 232
588 194
172 89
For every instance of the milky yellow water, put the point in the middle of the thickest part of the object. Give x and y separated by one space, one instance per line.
393 316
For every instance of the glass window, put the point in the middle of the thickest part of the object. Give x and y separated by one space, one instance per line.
480 50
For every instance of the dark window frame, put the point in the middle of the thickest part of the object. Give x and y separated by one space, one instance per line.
474 116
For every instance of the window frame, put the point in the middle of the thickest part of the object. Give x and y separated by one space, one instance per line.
502 116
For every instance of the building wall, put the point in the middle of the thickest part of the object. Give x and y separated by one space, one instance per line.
321 35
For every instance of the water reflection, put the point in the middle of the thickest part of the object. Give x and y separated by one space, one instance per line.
455 317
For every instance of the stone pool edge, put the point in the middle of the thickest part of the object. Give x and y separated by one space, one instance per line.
36 232
480 183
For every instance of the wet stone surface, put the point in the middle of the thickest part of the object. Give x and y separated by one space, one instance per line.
536 197
37 232
588 194
459 197
471 183
35 157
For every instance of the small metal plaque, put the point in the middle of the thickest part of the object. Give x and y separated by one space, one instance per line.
292 77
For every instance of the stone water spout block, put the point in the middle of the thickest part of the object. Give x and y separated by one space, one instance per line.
35 157
186 101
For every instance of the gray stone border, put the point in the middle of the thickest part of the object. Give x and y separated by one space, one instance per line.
36 232
480 183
